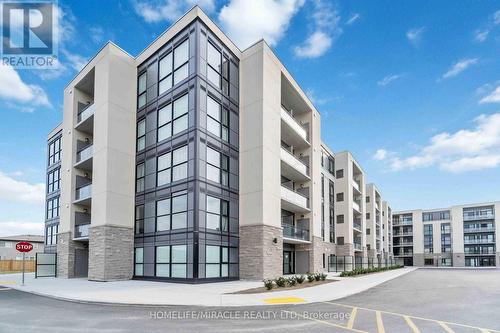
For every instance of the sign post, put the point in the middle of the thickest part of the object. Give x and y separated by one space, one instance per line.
24 247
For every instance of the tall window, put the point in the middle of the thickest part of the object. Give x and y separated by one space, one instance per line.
165 74
181 59
51 235
53 180
141 135
141 90
140 174
217 167
179 260
217 214
428 239
53 208
217 261
163 261
55 151
171 213
214 59
139 219
332 225
217 119
172 166
139 261
173 118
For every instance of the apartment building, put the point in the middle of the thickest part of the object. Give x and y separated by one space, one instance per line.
460 236
350 207
378 217
198 162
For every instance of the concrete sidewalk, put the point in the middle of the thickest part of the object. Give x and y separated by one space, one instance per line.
138 292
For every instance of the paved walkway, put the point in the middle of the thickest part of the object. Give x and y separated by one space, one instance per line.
211 294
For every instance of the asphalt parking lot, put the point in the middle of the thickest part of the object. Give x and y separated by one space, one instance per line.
426 300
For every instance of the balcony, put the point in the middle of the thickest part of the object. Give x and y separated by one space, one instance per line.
356 224
404 254
295 235
357 246
479 229
83 195
82 231
356 185
84 158
292 131
401 234
479 241
401 222
85 119
377 206
292 167
403 244
478 217
293 201
356 207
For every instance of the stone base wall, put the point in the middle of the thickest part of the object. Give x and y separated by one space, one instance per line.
345 250
418 259
66 254
111 253
319 247
260 257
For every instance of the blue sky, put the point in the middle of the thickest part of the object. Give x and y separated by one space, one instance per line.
411 88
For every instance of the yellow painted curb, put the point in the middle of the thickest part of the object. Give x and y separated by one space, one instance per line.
284 300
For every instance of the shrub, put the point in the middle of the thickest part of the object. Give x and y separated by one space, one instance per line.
300 278
317 276
281 281
269 284
359 271
310 277
323 276
292 281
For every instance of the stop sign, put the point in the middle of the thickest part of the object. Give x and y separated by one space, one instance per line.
24 247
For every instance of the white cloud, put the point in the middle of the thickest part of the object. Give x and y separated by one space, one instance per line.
481 35
459 67
496 17
353 18
248 21
13 88
153 11
76 61
380 154
314 46
311 94
388 79
97 34
464 150
325 22
493 97
13 228
19 191
415 35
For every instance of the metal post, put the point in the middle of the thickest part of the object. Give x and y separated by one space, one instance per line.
24 255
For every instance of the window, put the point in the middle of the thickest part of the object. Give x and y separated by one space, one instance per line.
171 213
141 90
339 174
331 193
172 166
217 119
165 74
214 60
179 260
53 180
436 216
429 262
446 262
331 165
53 208
340 196
217 261
367 199
322 186
141 134
340 240
139 261
332 225
139 219
140 174
217 214
51 235
173 118
340 219
181 58
367 231
55 151
217 167
163 261
367 216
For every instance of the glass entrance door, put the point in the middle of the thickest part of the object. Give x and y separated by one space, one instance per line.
288 262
